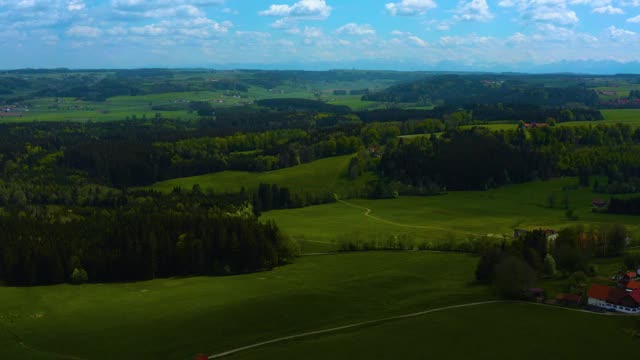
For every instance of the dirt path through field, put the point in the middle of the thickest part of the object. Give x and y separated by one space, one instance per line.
368 214
399 317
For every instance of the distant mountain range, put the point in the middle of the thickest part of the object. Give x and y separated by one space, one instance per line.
603 67
600 67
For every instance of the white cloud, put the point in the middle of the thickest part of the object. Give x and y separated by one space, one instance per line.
410 7
517 38
550 11
474 10
617 33
84 31
418 41
161 8
635 19
230 11
610 10
356 29
303 9
75 5
312 32
183 29
470 40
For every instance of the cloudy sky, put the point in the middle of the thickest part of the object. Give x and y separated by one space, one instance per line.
186 33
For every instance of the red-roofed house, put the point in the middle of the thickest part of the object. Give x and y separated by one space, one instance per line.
633 285
613 299
568 299
630 275
635 295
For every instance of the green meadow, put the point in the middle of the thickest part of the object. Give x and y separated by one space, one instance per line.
177 318
470 333
354 102
322 176
622 115
455 216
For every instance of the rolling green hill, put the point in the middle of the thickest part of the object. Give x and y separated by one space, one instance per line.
452 217
176 318
321 176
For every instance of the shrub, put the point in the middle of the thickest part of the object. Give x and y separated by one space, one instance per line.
79 276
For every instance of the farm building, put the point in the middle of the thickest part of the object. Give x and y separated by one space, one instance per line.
630 275
614 299
633 285
535 294
599 203
535 125
568 299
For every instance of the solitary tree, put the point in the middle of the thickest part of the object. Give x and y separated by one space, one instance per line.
513 277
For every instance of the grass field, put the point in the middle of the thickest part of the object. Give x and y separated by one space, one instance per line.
321 176
176 318
455 216
120 107
354 102
622 115
495 331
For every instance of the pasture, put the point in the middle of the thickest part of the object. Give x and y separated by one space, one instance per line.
177 318
625 116
322 176
525 331
455 216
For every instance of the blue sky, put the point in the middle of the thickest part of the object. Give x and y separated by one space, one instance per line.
344 33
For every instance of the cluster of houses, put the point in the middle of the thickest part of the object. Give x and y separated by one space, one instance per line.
551 234
10 111
624 298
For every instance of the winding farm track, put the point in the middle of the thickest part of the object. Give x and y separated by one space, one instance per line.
368 214
399 317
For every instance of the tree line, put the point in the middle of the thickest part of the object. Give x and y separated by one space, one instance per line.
478 159
513 267
138 243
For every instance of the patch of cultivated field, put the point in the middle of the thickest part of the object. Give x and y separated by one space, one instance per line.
177 318
523 331
322 176
454 216
354 102
630 116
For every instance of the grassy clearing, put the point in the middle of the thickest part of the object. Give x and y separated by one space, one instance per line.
354 102
176 318
452 217
530 331
321 176
631 116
